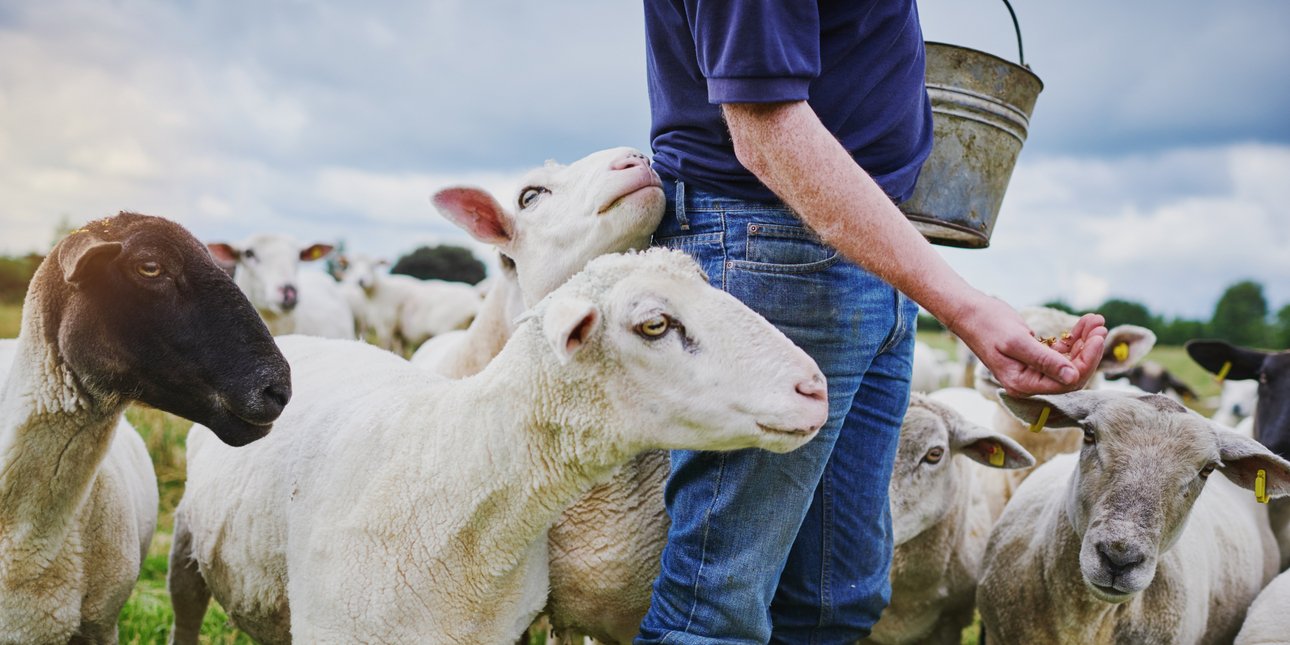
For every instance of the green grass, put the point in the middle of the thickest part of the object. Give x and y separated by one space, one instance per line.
10 320
147 615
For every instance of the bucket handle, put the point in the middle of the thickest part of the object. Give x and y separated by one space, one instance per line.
1021 53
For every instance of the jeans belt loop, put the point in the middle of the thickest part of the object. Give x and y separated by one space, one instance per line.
680 206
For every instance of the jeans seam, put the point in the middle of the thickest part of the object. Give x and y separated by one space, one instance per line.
898 330
680 206
726 265
707 526
826 573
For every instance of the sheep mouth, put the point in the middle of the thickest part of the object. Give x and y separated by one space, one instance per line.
794 432
653 184
1110 593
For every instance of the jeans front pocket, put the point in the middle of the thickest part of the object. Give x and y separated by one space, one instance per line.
705 248
780 248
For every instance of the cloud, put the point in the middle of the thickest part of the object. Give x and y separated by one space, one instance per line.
1083 230
1123 77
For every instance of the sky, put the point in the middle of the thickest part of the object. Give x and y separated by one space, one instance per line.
1157 167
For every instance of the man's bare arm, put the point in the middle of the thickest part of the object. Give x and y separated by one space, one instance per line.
786 146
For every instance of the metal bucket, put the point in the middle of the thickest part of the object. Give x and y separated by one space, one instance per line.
981 107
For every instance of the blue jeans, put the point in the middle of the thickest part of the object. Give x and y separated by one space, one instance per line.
796 547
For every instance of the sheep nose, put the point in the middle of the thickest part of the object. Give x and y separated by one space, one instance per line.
1119 558
289 297
629 160
813 388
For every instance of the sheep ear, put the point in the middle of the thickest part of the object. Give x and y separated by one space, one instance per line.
984 446
1125 346
315 252
1064 410
225 256
82 254
1214 354
1244 457
568 323
476 212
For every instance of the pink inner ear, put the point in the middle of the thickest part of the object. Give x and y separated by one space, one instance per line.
580 333
222 252
476 212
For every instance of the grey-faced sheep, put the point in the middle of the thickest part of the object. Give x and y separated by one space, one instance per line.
1149 534
127 308
940 522
429 519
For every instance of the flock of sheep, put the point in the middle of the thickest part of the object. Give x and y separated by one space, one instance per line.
514 465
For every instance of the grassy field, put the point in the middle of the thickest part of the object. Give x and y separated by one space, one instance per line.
147 615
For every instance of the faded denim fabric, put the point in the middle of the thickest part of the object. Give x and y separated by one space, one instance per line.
806 534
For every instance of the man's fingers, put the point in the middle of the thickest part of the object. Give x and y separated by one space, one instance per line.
1044 359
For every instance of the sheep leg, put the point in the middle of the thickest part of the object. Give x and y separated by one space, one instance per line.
189 594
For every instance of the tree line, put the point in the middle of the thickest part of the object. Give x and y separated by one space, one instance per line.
1241 316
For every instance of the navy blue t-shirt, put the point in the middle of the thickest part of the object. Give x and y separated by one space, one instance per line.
859 64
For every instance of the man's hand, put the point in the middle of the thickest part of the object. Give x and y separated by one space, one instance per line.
1023 365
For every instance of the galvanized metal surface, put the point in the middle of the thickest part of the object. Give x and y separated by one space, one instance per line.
981 107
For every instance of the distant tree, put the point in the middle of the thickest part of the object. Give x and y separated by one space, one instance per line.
443 262
64 226
928 322
1179 331
1281 332
15 275
1241 314
1127 312
1060 305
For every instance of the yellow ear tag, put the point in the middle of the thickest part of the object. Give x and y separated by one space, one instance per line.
996 455
1041 421
1121 352
1222 374
1261 487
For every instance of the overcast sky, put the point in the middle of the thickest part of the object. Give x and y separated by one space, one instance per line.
1157 169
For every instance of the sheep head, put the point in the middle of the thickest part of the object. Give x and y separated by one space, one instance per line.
563 216
138 310
1144 462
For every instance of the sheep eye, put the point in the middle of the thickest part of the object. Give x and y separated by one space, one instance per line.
248 254
148 269
530 195
1089 437
934 455
654 327
1204 472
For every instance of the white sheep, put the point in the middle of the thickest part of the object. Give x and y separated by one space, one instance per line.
465 352
267 269
432 307
932 369
1268 620
1237 402
428 520
940 523
604 549
1132 540
402 312
127 308
560 218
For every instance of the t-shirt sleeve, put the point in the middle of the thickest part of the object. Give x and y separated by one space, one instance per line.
756 51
